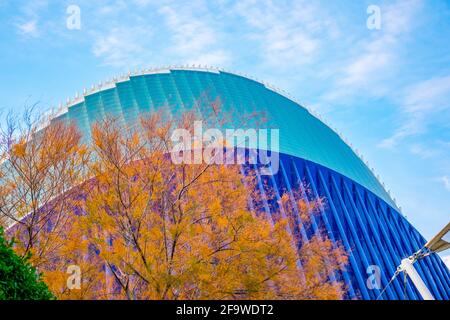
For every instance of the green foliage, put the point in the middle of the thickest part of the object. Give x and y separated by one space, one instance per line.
19 280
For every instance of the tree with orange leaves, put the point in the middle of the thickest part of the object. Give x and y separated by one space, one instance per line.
42 166
168 231
142 227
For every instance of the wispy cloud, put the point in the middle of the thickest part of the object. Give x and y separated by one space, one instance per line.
28 28
423 104
412 127
424 152
189 34
288 33
194 39
163 32
123 47
431 95
377 59
28 21
445 180
143 3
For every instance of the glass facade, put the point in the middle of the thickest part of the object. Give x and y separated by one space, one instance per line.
359 213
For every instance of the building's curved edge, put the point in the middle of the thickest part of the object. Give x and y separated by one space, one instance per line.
111 83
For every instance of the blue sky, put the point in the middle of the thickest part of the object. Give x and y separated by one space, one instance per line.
386 90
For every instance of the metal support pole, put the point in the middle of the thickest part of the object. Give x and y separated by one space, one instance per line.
407 266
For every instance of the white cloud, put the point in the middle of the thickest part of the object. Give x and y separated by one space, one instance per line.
288 45
143 3
367 66
116 7
163 32
28 28
428 96
445 180
376 59
194 37
423 103
28 22
189 34
414 126
288 34
123 47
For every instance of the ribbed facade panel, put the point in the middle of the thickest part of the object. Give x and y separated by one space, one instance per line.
369 229
358 212
301 134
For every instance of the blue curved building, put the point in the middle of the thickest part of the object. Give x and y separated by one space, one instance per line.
359 213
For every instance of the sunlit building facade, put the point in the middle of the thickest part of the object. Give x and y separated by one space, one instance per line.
358 212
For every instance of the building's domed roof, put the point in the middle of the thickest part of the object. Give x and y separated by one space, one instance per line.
301 134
